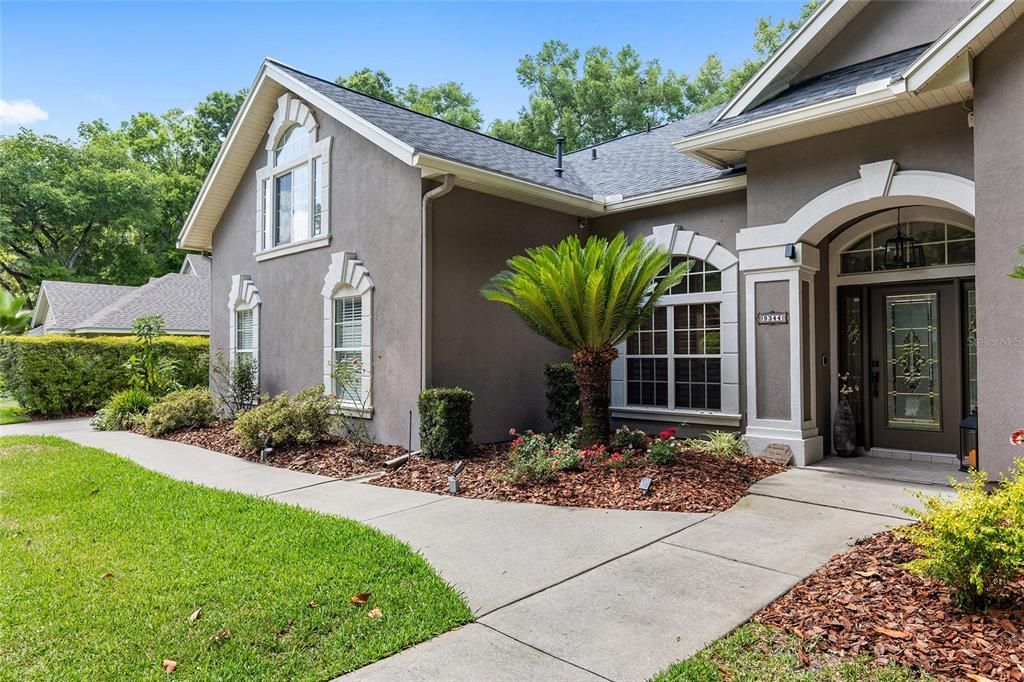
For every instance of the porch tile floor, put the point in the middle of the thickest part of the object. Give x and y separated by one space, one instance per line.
892 469
576 594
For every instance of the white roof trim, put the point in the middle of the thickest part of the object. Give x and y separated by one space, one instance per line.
701 189
41 304
958 38
776 64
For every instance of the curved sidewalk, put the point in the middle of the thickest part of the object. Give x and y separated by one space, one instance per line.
564 593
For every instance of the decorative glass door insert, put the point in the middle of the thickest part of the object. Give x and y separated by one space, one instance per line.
913 386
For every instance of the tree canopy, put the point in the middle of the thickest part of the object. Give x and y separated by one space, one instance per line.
448 101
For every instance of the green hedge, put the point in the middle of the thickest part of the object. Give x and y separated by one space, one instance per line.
563 396
61 375
446 424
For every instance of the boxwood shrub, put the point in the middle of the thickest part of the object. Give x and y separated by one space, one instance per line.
61 375
563 396
446 424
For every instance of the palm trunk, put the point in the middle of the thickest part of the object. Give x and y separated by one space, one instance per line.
594 376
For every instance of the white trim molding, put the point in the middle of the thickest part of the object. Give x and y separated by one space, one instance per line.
243 296
347 277
681 242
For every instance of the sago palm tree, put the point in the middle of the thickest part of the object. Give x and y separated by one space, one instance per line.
588 298
14 317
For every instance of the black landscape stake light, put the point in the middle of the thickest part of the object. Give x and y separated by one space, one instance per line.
645 484
266 449
453 482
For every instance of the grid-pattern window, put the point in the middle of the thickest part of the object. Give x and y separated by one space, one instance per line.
292 196
674 360
318 196
348 346
934 244
702 277
294 145
245 334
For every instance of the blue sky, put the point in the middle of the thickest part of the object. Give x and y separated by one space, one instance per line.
79 61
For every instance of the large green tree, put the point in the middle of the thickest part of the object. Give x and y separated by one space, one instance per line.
448 101
588 298
595 96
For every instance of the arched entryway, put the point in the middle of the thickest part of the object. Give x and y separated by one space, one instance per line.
787 367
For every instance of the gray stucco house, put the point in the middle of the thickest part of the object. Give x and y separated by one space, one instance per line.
182 298
835 209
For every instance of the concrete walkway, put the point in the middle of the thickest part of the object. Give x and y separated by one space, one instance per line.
561 593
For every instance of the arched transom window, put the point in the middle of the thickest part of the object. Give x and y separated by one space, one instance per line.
292 189
934 244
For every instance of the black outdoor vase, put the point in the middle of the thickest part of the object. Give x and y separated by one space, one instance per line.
844 430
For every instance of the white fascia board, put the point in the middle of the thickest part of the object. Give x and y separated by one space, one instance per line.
38 314
225 150
701 189
435 165
954 41
870 95
378 136
781 58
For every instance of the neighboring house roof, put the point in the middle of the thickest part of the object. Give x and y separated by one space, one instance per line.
829 86
75 307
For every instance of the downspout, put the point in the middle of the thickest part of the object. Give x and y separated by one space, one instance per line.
428 198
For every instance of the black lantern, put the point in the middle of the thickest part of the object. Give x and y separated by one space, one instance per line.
901 250
969 443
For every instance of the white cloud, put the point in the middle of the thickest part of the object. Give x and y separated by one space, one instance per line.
21 112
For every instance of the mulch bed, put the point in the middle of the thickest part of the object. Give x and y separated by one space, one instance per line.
697 483
863 603
337 457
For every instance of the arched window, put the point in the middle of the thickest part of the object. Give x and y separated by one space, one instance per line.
244 321
348 312
682 363
934 244
292 189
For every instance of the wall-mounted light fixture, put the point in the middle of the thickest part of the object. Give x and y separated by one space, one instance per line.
791 251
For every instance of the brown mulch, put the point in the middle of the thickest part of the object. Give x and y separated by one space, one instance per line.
697 483
336 457
863 603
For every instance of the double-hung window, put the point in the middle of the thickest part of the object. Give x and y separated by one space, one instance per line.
348 348
245 335
292 187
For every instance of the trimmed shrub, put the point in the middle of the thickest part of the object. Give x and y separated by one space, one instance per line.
61 375
974 543
187 408
303 419
563 396
446 423
123 411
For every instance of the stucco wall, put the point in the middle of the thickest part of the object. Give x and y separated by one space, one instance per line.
782 179
719 217
999 164
772 344
478 344
374 211
882 28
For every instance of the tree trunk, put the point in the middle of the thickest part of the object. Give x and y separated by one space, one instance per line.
594 376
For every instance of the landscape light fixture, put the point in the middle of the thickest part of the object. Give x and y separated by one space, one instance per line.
266 449
453 482
645 484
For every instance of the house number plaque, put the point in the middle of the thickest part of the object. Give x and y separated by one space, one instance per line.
773 317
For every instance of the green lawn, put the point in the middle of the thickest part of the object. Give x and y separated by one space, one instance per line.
757 653
102 563
10 412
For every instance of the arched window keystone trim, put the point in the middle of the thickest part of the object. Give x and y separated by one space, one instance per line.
293 189
348 313
688 370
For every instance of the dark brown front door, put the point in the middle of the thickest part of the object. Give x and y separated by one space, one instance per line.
914 367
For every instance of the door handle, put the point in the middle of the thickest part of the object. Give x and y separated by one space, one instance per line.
876 377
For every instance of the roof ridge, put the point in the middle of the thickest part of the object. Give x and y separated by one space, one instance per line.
129 296
413 111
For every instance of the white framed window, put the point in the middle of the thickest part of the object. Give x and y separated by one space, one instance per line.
682 363
348 311
244 320
292 189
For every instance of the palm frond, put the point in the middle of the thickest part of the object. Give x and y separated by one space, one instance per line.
586 296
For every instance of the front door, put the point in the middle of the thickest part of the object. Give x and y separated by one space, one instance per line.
915 352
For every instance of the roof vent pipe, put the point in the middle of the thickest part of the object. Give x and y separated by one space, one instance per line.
559 148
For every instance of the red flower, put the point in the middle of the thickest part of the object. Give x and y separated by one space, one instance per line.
1017 438
667 433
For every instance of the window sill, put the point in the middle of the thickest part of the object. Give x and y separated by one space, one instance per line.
294 247
357 411
687 416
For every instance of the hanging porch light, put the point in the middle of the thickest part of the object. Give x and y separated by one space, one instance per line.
902 250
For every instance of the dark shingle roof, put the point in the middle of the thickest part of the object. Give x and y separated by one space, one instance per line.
829 86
